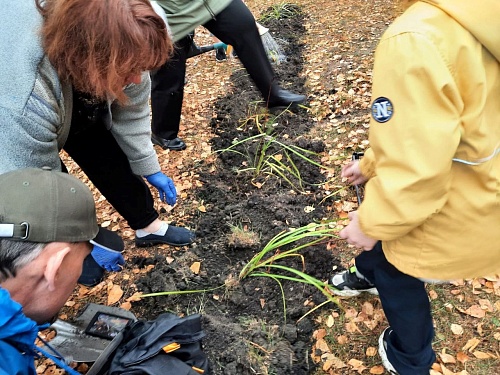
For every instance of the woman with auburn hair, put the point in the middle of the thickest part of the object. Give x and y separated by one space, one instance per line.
98 45
75 77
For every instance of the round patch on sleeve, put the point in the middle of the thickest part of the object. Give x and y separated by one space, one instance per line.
382 109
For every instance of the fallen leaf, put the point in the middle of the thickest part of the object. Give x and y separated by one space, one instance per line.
114 294
357 365
433 295
377 370
486 305
202 208
262 303
331 361
482 355
342 339
471 344
323 346
367 308
371 351
462 357
351 327
134 297
445 371
457 329
447 358
330 321
476 311
319 334
195 267
126 305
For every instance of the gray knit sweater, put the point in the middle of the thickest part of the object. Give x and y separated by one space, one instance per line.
35 106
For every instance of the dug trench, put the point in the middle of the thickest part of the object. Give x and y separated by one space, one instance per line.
248 328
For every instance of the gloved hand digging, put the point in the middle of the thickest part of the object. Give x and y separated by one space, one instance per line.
107 250
165 187
108 259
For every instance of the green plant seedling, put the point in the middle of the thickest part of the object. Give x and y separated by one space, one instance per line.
262 265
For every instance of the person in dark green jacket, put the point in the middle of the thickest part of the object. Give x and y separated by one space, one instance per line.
231 22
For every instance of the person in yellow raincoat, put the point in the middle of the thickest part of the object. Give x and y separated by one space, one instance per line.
431 209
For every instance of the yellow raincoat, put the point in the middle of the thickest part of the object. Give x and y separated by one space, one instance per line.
433 196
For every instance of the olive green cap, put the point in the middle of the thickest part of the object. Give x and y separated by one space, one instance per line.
41 205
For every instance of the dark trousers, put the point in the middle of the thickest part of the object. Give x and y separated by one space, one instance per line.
407 308
96 151
235 25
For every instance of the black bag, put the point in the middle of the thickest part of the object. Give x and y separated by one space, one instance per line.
168 345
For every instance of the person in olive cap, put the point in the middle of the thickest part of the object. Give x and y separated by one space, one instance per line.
48 227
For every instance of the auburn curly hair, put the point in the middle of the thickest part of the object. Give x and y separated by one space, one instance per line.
97 44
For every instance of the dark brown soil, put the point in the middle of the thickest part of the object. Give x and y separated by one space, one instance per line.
245 324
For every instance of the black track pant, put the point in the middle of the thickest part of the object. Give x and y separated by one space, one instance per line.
235 25
96 151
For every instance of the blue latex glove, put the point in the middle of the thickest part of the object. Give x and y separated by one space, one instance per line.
165 187
108 259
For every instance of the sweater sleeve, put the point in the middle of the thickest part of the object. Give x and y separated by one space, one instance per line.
414 134
132 128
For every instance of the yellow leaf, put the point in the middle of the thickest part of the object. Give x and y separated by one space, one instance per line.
482 355
195 267
114 294
371 351
202 208
471 344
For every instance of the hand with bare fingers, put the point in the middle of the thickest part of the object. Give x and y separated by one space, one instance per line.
354 235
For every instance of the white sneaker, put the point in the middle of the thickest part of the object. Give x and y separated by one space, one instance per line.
382 351
348 284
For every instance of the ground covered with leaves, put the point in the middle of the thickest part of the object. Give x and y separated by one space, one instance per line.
248 175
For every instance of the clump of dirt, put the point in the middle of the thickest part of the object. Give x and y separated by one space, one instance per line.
248 329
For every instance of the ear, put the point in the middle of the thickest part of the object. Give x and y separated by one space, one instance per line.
54 263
